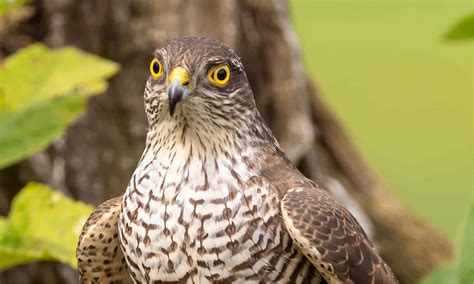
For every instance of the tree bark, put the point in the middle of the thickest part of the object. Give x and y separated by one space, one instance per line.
96 157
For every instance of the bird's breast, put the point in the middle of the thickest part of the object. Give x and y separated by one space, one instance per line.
188 222
195 222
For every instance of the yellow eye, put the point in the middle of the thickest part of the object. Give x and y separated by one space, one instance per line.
156 69
219 75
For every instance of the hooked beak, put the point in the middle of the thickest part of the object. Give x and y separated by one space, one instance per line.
177 90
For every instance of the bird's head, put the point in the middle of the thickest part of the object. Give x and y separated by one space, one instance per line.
196 78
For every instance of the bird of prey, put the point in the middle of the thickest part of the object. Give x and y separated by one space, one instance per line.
214 198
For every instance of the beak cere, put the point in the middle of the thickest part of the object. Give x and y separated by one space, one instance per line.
177 90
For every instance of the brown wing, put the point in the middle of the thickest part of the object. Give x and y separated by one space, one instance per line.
331 238
99 257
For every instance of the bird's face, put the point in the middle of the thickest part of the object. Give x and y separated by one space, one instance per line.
196 78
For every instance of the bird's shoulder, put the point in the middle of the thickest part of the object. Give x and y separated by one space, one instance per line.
324 230
281 174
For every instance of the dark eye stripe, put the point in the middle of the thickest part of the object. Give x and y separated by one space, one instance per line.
213 63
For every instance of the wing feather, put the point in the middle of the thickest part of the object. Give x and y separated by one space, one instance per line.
331 238
99 257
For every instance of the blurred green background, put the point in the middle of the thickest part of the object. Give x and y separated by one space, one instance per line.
404 93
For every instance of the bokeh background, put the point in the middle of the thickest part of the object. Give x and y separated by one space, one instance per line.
404 93
72 119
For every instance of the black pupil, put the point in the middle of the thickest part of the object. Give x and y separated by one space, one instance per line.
156 67
221 74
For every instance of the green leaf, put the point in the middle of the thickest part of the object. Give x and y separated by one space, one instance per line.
16 256
42 225
444 274
42 92
464 29
8 5
3 225
463 269
28 131
466 250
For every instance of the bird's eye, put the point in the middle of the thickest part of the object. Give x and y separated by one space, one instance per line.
156 69
219 75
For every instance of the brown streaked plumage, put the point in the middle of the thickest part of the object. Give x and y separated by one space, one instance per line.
331 238
99 257
214 198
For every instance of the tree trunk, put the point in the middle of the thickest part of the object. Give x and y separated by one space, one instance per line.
95 159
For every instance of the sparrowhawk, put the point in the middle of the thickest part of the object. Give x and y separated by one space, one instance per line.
214 198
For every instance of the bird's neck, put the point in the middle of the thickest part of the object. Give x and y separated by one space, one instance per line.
189 157
210 135
186 160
